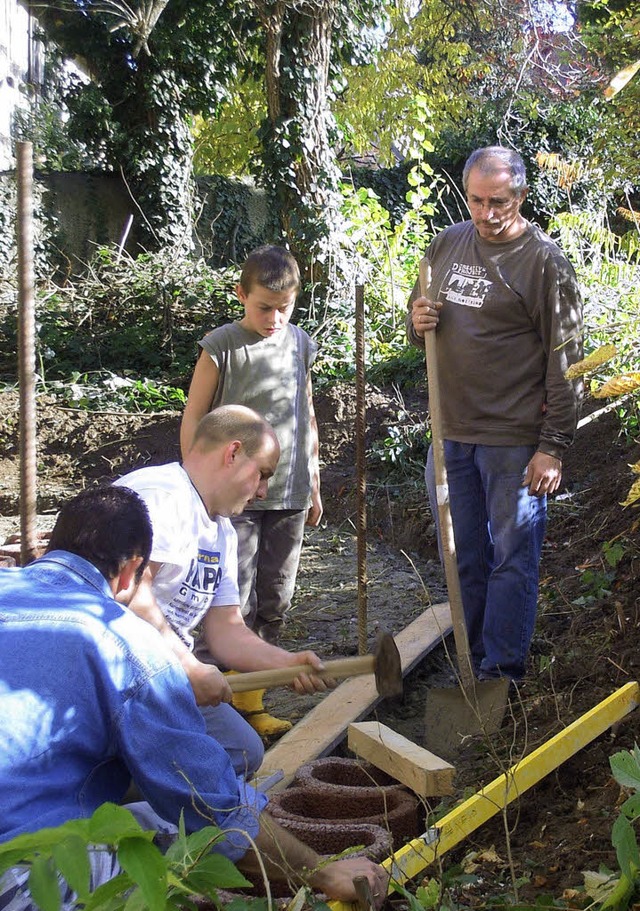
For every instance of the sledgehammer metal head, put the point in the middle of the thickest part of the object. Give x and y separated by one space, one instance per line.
388 666
384 664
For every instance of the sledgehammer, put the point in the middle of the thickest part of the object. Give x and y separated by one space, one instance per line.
384 663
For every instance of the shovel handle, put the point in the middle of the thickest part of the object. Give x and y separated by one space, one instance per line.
442 496
338 669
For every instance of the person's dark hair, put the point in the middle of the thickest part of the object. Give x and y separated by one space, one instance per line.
233 422
107 526
497 158
270 267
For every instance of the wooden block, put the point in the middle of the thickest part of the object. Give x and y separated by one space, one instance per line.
427 775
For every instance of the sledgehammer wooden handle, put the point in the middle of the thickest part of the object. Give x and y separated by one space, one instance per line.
337 669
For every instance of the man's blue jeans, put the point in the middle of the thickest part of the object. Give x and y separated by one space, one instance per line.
498 531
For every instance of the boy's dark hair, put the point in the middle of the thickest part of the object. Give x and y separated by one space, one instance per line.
271 267
107 526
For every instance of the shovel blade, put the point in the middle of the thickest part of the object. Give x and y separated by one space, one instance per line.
455 713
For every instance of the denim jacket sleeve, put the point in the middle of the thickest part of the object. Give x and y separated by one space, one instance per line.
179 767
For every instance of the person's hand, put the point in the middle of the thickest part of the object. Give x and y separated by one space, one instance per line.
336 879
542 475
209 684
315 510
309 683
425 314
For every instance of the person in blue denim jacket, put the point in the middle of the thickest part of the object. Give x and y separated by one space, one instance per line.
91 696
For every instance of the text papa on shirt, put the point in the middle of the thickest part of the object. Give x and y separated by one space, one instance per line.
197 590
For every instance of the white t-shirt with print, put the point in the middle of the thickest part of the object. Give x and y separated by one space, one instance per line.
199 554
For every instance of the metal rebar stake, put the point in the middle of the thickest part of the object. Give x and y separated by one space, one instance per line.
26 351
361 474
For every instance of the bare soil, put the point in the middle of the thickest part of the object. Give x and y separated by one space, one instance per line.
587 638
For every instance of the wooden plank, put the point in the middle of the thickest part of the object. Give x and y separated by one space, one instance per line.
319 732
453 828
425 773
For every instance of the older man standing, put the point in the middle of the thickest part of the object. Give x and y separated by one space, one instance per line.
507 309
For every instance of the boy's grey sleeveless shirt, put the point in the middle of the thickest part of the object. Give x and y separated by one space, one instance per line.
270 376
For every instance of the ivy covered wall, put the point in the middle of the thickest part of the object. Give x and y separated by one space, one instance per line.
76 213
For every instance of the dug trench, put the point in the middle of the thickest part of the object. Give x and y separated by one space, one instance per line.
587 636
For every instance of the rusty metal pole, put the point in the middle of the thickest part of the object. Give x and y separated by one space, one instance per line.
361 474
26 351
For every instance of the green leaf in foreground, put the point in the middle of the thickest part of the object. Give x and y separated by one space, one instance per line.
147 867
72 861
43 884
216 871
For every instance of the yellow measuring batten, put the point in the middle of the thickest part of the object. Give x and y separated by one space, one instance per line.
453 828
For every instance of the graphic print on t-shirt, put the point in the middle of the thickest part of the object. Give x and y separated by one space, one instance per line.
196 592
466 285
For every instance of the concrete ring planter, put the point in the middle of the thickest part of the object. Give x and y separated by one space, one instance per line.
394 810
335 772
373 842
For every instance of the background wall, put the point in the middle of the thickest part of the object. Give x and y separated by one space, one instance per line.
77 213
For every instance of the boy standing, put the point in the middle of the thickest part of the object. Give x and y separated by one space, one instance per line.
264 362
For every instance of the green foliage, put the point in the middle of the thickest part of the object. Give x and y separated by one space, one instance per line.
142 315
46 231
611 32
305 51
608 269
402 454
44 126
492 73
426 898
421 177
104 390
629 417
134 114
389 185
386 257
235 217
613 552
597 585
615 892
445 893
149 881
385 254
598 580
421 53
301 172
228 142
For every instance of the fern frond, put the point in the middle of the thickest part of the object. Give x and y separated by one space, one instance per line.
591 362
619 385
567 172
621 78
628 215
635 468
634 493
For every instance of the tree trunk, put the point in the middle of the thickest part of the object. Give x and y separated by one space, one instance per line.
299 160
159 161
